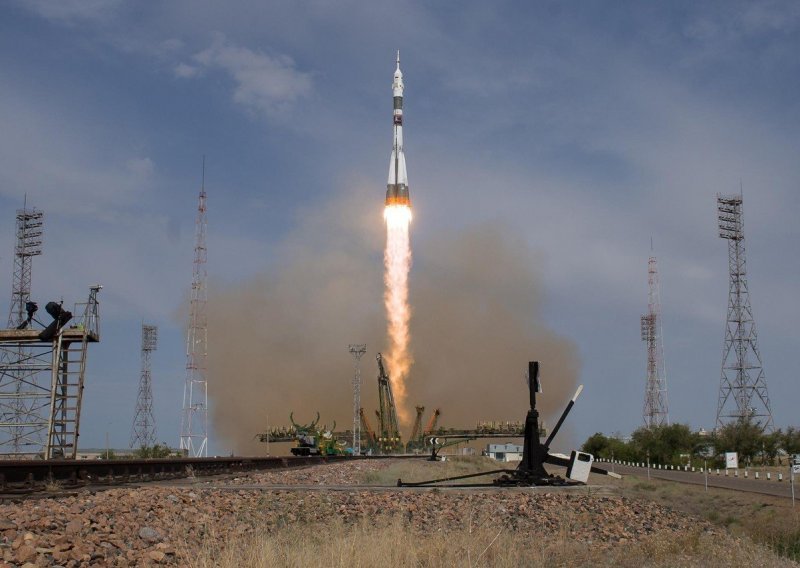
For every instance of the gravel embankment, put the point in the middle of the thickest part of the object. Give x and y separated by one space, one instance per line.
140 526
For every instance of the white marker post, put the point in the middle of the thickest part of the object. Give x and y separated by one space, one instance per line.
705 469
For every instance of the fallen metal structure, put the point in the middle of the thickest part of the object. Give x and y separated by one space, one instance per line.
530 471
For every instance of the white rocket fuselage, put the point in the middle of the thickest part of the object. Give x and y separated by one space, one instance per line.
397 184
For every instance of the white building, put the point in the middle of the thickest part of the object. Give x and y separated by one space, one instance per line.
504 452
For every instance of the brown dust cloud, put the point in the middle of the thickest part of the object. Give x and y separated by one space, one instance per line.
278 341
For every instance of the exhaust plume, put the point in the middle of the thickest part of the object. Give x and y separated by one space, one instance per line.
397 263
278 341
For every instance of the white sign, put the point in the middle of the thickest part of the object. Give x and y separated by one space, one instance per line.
796 469
731 460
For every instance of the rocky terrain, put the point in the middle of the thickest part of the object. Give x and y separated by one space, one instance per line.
164 525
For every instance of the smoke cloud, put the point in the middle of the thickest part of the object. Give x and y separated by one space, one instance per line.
278 342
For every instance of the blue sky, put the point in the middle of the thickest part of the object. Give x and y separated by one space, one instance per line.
581 129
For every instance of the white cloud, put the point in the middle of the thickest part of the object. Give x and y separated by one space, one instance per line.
263 83
184 71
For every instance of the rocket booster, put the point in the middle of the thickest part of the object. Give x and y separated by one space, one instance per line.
397 185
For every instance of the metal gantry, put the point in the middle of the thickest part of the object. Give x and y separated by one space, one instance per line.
357 350
42 373
194 417
742 386
389 436
655 411
143 433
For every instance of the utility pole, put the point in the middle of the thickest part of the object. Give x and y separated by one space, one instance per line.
655 412
144 425
194 419
742 385
357 350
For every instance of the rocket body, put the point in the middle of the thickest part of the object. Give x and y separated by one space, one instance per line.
397 184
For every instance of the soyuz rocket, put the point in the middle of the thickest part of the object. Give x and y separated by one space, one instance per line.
397 185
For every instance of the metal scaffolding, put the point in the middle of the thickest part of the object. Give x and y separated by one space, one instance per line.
655 412
742 386
357 351
143 433
42 375
194 418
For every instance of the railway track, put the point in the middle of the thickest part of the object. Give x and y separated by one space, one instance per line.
20 477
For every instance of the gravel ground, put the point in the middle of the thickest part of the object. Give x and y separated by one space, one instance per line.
153 525
347 473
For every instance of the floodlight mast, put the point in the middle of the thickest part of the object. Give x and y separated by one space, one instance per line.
144 424
29 230
743 385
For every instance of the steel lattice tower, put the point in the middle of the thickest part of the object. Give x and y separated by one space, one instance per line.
656 411
144 425
357 351
17 410
194 420
29 244
742 384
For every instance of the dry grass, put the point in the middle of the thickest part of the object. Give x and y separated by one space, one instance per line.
52 485
387 542
768 520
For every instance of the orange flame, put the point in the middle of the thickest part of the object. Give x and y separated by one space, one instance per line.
397 263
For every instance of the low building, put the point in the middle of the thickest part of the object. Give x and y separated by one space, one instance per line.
504 452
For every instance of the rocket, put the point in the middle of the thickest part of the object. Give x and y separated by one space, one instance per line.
397 185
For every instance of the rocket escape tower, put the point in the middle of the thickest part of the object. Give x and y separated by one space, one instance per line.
655 412
194 418
144 425
742 385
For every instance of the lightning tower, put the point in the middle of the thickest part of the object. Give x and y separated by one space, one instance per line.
144 425
742 385
194 420
357 351
655 412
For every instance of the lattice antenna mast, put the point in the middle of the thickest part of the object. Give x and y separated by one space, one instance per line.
655 411
357 351
144 425
742 386
194 421
29 244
